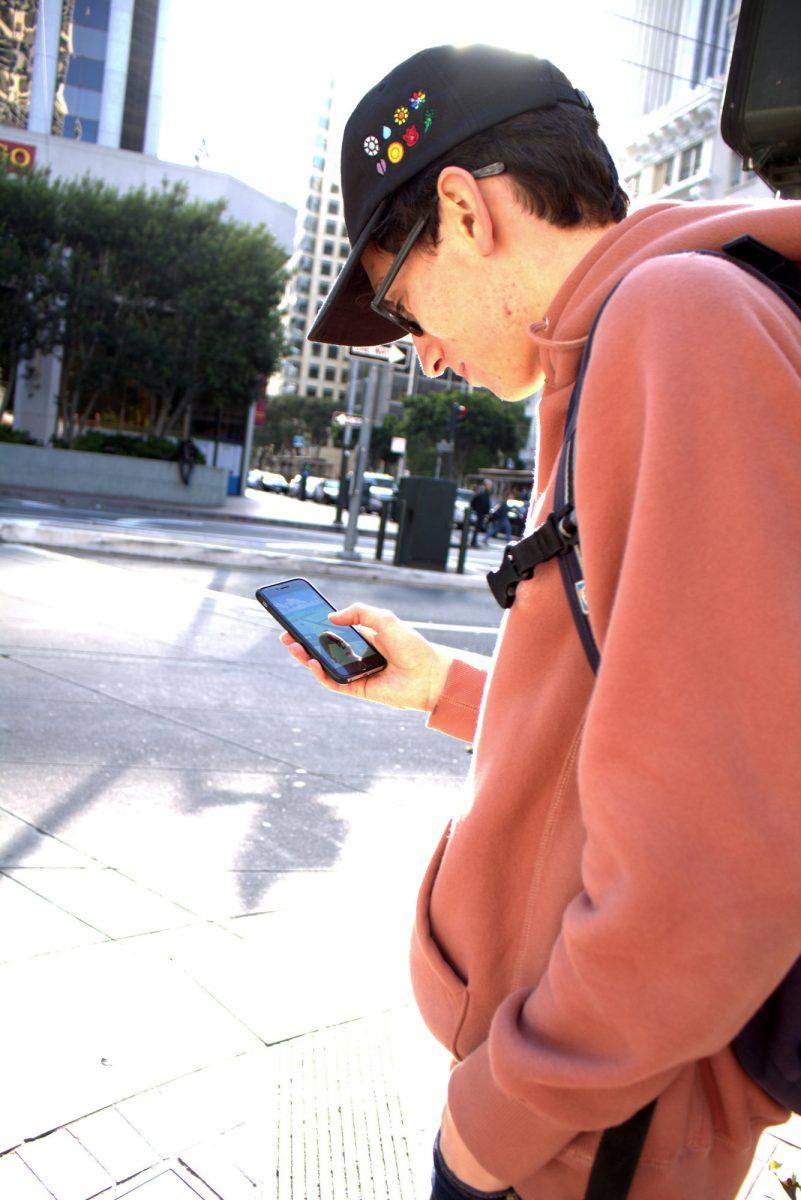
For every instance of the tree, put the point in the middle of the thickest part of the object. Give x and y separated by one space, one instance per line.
287 417
492 431
31 267
142 289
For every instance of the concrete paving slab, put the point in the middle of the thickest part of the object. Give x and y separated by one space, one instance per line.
23 845
290 974
66 1167
104 899
168 1185
18 1182
203 1105
111 734
114 1142
126 1020
20 684
30 925
211 1161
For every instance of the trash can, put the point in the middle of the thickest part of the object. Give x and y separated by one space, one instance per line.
424 536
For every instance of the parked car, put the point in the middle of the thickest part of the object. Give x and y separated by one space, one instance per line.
461 505
311 484
376 488
327 491
271 481
517 510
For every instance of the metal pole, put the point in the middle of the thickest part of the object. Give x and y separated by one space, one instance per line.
362 451
346 437
247 447
463 540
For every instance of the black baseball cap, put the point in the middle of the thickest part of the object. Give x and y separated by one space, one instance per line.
422 109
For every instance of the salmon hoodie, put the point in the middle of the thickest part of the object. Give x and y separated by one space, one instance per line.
622 890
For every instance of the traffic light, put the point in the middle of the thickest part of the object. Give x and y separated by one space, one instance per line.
458 415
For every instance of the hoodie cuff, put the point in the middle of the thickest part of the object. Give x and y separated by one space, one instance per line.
456 711
509 1139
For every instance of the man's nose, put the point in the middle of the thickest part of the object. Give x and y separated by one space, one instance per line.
429 351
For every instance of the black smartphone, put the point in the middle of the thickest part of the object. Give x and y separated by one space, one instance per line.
303 611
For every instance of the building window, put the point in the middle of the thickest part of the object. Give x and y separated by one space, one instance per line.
344 249
328 393
302 284
325 268
323 288
328 247
690 161
333 206
334 189
314 371
307 245
663 174
330 374
318 162
316 349
81 129
313 204
331 228
310 223
315 184
633 186
332 351
86 73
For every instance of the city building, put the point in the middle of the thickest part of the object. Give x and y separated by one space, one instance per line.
674 150
81 88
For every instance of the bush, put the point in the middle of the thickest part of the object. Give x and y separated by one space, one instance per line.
96 442
7 434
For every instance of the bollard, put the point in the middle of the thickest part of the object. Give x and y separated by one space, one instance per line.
400 509
386 508
465 538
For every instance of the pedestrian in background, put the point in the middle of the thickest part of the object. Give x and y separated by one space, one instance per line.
498 520
620 892
480 506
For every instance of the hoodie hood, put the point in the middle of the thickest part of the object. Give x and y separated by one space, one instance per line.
667 228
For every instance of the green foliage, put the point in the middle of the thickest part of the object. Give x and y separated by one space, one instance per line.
20 436
144 290
95 441
492 431
295 416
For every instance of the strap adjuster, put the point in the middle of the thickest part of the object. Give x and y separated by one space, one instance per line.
557 535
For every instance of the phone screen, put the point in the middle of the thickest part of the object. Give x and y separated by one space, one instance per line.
304 611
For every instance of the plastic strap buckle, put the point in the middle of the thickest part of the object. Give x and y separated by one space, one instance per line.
557 535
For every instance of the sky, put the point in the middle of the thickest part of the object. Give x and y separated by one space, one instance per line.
247 77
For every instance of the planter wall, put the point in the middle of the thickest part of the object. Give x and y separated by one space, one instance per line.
109 475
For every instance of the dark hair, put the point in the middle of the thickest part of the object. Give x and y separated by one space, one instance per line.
559 167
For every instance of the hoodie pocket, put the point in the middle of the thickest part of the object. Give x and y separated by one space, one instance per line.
440 992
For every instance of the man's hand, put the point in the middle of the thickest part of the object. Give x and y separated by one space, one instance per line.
416 671
459 1159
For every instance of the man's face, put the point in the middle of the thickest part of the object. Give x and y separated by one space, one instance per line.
462 303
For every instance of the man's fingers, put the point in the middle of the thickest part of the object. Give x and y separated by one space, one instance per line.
376 619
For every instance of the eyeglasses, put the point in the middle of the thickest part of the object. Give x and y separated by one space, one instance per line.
408 324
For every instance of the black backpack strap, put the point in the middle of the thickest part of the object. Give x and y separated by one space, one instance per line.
617 1157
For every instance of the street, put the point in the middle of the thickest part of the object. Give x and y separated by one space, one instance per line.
259 520
208 868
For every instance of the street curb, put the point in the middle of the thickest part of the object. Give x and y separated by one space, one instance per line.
122 505
28 532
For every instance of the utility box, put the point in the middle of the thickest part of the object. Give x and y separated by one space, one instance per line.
426 521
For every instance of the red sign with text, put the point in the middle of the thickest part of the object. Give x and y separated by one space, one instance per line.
16 156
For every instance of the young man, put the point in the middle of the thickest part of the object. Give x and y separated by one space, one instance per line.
623 892
480 505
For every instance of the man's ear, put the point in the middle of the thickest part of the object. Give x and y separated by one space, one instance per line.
464 211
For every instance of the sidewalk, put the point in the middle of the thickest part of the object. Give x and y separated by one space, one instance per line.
196 999
260 511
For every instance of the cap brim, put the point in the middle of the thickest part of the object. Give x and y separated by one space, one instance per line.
346 318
